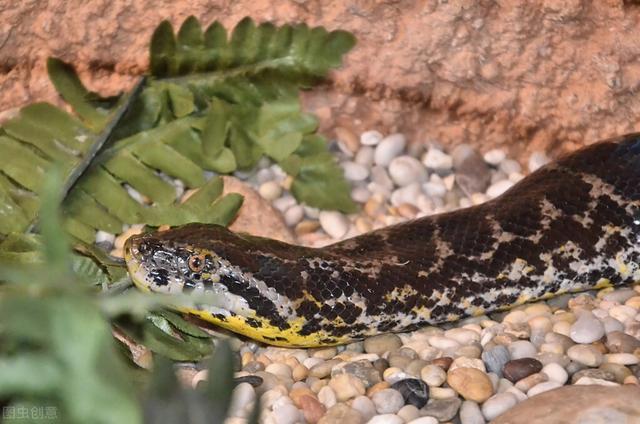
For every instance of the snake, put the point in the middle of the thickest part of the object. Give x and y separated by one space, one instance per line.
570 226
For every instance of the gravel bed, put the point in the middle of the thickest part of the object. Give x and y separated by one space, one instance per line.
470 371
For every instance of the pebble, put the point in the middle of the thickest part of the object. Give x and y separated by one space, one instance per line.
365 406
470 413
498 404
346 386
619 342
423 420
293 215
517 369
405 170
334 223
311 408
621 358
585 354
341 413
543 387
243 395
494 156
360 194
509 166
586 329
354 171
382 343
433 375
555 372
387 401
495 358
528 382
522 349
414 392
437 160
270 190
327 396
464 362
388 148
470 383
362 369
496 189
408 413
620 372
537 160
370 138
386 419
364 156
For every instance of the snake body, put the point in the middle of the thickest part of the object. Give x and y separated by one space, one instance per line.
572 225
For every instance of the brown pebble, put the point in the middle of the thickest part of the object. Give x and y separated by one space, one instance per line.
311 408
444 362
407 210
528 382
348 139
377 387
307 226
517 369
380 364
470 383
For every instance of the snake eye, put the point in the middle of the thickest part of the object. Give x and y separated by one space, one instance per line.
196 263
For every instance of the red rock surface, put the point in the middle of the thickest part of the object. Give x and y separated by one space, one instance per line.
551 73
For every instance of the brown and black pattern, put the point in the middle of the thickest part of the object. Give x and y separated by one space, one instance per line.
569 226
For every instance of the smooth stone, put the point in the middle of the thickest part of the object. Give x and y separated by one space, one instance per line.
293 215
577 405
414 391
437 160
522 349
408 413
346 386
407 194
619 371
498 404
363 369
424 420
388 148
586 329
364 156
472 172
334 223
441 393
405 170
287 414
241 397
463 336
588 381
517 369
387 401
311 408
382 343
543 387
528 382
270 190
279 369
555 372
365 406
611 324
585 354
470 383
360 194
620 295
434 189
433 375
327 396
619 342
415 366
621 358
354 171
494 156
464 362
470 413
623 313
322 369
509 166
341 413
386 419
495 358
442 409
599 374
380 364
537 160
498 188
371 138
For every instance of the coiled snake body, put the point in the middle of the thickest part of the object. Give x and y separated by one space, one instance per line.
572 225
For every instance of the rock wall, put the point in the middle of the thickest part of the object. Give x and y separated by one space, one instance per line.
545 74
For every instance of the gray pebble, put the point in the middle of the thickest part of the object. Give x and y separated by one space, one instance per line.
442 409
522 349
586 329
495 358
498 404
470 413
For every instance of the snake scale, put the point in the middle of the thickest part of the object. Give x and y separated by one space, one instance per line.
570 226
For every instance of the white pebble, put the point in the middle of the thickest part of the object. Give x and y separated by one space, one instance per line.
293 215
388 148
555 373
611 324
405 170
496 189
365 406
287 414
509 166
386 419
283 203
327 397
270 190
364 156
370 138
437 160
334 223
443 343
433 375
354 171
585 354
588 381
434 189
537 160
587 329
515 177
264 175
494 156
424 420
387 401
408 194
470 413
498 404
543 387
360 194
522 349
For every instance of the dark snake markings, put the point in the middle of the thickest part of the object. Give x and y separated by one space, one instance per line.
570 226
